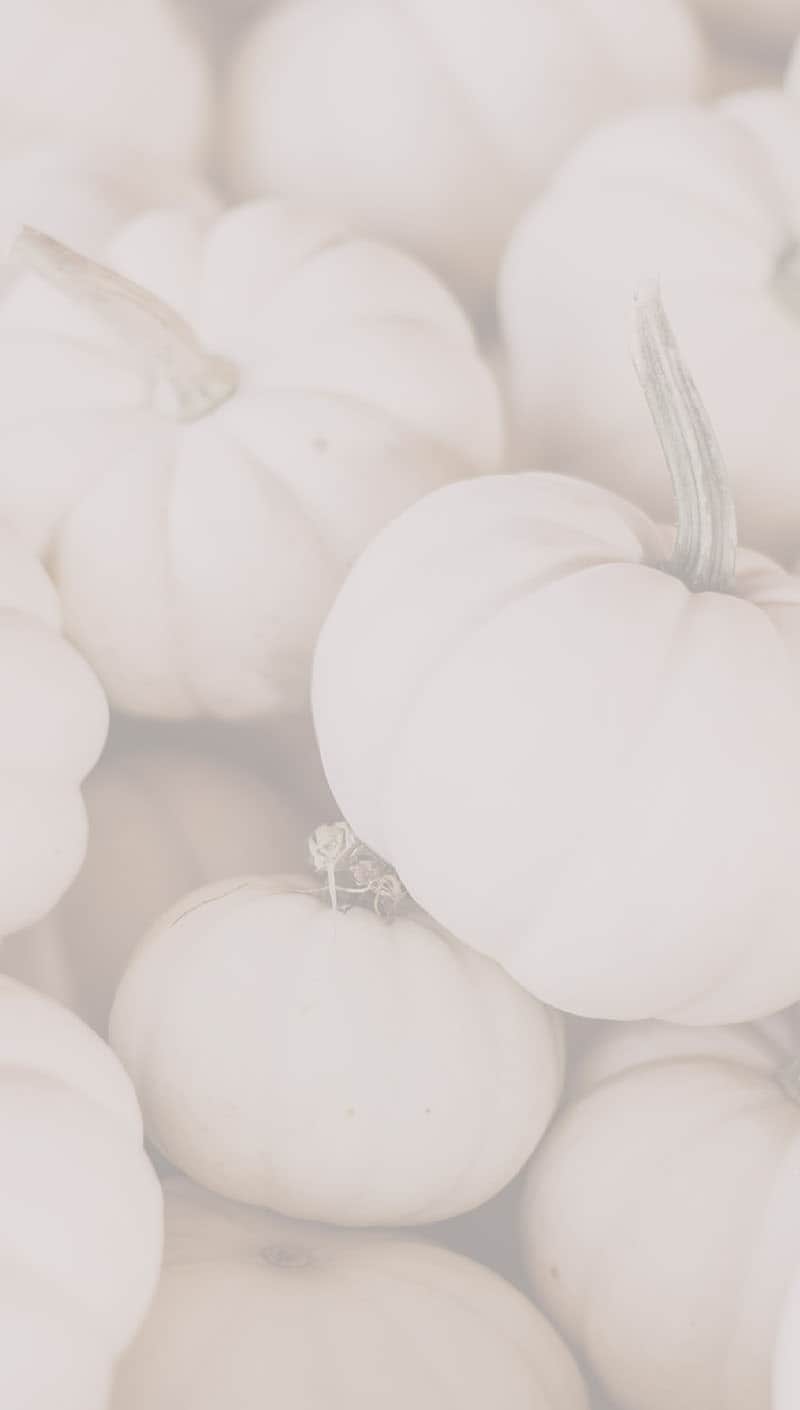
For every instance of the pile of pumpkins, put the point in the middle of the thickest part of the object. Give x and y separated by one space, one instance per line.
400 688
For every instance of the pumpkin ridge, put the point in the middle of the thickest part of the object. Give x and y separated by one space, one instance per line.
632 1212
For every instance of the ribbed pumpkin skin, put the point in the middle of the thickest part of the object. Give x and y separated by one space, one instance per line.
163 820
195 562
254 1310
708 199
53 723
660 1219
80 1208
546 683
330 1065
432 122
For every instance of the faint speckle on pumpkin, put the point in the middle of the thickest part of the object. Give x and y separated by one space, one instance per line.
287 1256
320 443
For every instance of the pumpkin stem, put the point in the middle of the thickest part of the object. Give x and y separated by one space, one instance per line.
336 851
704 555
197 381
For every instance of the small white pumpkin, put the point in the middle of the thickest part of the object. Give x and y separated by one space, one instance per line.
661 1221
195 562
80 1209
584 765
255 1310
163 820
710 198
53 724
432 122
125 79
330 1064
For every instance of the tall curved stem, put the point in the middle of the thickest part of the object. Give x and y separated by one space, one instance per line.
704 555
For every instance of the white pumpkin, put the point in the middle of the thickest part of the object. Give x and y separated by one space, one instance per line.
432 122
255 1310
80 1209
329 1064
125 79
584 765
710 199
83 201
786 1363
196 561
53 724
163 820
660 1216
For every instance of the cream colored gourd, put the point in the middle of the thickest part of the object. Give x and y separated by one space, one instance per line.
123 80
710 198
163 820
80 1209
255 1310
432 122
660 1216
582 758
328 1063
53 723
198 511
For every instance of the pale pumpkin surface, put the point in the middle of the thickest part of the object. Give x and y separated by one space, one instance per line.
332 1065
162 821
53 723
255 1310
574 763
708 200
195 562
660 1217
432 122
122 79
80 1208
786 1365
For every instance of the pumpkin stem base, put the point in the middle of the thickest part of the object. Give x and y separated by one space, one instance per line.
192 381
336 852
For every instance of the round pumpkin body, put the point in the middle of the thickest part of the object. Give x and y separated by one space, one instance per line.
163 820
573 762
195 561
332 1065
660 1220
709 199
253 1310
77 71
80 1227
432 122
53 722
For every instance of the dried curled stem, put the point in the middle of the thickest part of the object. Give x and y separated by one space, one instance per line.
353 871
